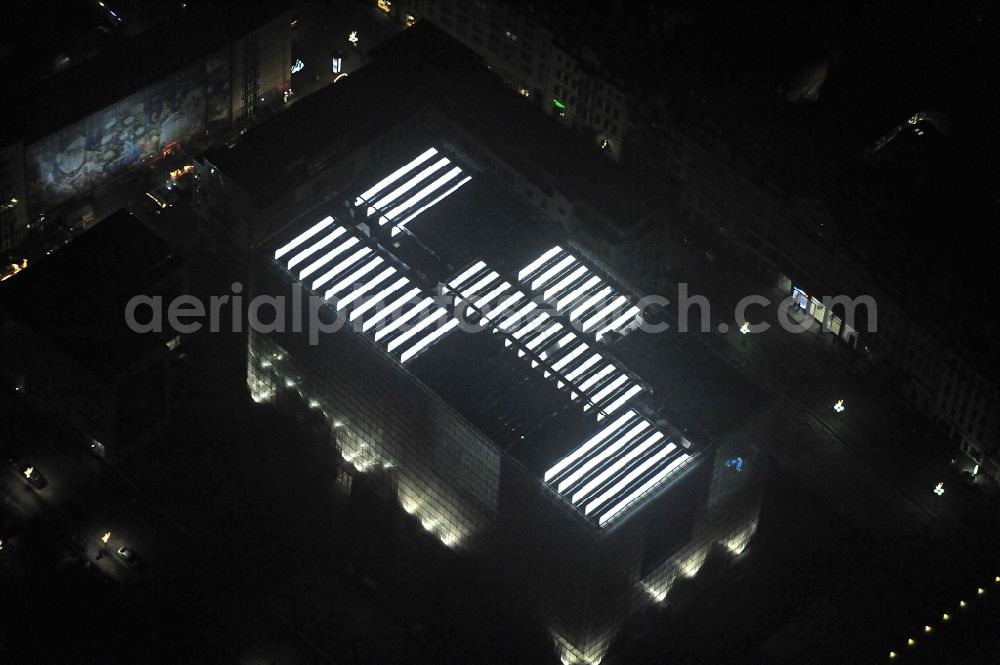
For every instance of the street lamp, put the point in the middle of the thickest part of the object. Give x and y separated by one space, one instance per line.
353 37
745 328
106 537
839 406
939 489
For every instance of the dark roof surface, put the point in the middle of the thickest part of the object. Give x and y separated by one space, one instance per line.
76 296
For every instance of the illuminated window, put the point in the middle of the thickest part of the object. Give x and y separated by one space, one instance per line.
524 91
410 20
384 5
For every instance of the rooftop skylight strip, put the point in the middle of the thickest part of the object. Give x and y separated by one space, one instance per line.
469 272
564 283
506 306
395 175
608 369
574 295
582 309
491 295
646 487
602 314
419 196
353 259
620 322
570 357
351 279
470 291
617 467
357 293
587 364
382 202
624 397
390 309
424 306
372 302
550 273
326 258
591 443
413 215
413 332
607 390
430 339
315 247
510 321
537 263
304 236
532 324
603 454
627 480
544 335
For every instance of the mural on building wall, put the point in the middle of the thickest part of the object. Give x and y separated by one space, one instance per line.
83 155
217 90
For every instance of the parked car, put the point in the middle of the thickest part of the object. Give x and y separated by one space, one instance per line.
128 555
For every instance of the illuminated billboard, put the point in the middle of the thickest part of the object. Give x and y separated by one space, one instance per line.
80 156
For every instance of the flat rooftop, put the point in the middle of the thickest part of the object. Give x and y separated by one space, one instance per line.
75 298
281 153
504 319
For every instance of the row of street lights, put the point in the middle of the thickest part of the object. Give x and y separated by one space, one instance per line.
945 617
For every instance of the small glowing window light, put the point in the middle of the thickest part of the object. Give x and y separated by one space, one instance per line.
353 37
745 328
838 407
384 5
410 20
939 489
106 537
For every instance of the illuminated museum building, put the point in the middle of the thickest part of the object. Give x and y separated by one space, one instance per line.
195 75
527 444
